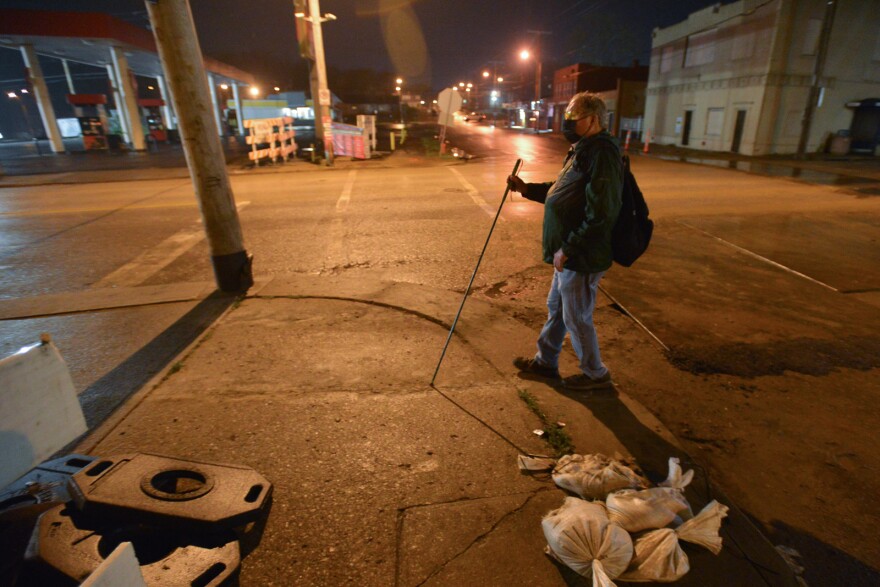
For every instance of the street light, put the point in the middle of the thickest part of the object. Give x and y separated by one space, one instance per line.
254 91
310 11
525 55
485 74
399 90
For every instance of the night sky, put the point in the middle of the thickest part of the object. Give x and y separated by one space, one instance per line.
431 42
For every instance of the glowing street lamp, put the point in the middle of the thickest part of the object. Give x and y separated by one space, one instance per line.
277 89
399 89
525 56
254 91
224 86
485 74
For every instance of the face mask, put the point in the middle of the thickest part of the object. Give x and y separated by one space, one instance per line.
569 132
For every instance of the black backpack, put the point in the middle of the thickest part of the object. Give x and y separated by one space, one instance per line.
633 230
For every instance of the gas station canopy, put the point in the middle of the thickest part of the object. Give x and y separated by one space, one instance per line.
87 37
99 40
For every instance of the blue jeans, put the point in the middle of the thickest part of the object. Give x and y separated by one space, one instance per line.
571 301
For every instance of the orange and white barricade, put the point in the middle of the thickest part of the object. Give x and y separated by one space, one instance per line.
275 135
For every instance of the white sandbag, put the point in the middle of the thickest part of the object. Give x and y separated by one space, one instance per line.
647 509
594 476
675 478
657 555
580 536
703 528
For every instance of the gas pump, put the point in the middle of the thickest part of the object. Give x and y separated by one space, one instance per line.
92 116
151 109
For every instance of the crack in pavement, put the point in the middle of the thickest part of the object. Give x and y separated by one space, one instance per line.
401 514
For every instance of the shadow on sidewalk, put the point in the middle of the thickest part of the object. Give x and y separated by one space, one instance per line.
106 394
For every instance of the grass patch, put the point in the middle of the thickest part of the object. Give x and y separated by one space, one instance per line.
431 146
555 435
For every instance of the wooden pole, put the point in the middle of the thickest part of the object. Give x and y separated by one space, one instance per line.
818 71
181 58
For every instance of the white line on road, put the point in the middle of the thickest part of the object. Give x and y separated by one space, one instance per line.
345 197
474 193
150 262
759 257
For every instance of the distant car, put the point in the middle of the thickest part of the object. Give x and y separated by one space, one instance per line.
474 117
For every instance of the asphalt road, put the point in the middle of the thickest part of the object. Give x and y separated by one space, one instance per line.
772 281
427 225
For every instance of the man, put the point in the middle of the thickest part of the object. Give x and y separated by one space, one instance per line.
580 209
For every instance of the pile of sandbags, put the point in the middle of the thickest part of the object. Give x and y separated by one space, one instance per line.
629 531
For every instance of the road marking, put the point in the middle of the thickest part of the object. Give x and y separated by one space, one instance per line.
474 193
759 257
633 318
345 197
150 262
89 210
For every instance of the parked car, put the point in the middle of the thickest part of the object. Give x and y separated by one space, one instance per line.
475 117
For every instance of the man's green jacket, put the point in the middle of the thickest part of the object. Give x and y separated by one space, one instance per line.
581 206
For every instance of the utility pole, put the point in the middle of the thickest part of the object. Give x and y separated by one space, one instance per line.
181 57
819 68
311 41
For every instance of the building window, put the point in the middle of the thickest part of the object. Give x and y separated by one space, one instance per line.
666 59
714 122
700 49
743 46
811 37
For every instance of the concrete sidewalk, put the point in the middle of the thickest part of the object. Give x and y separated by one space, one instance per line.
321 385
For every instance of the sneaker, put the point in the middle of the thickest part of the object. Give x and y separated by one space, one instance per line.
531 365
584 382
